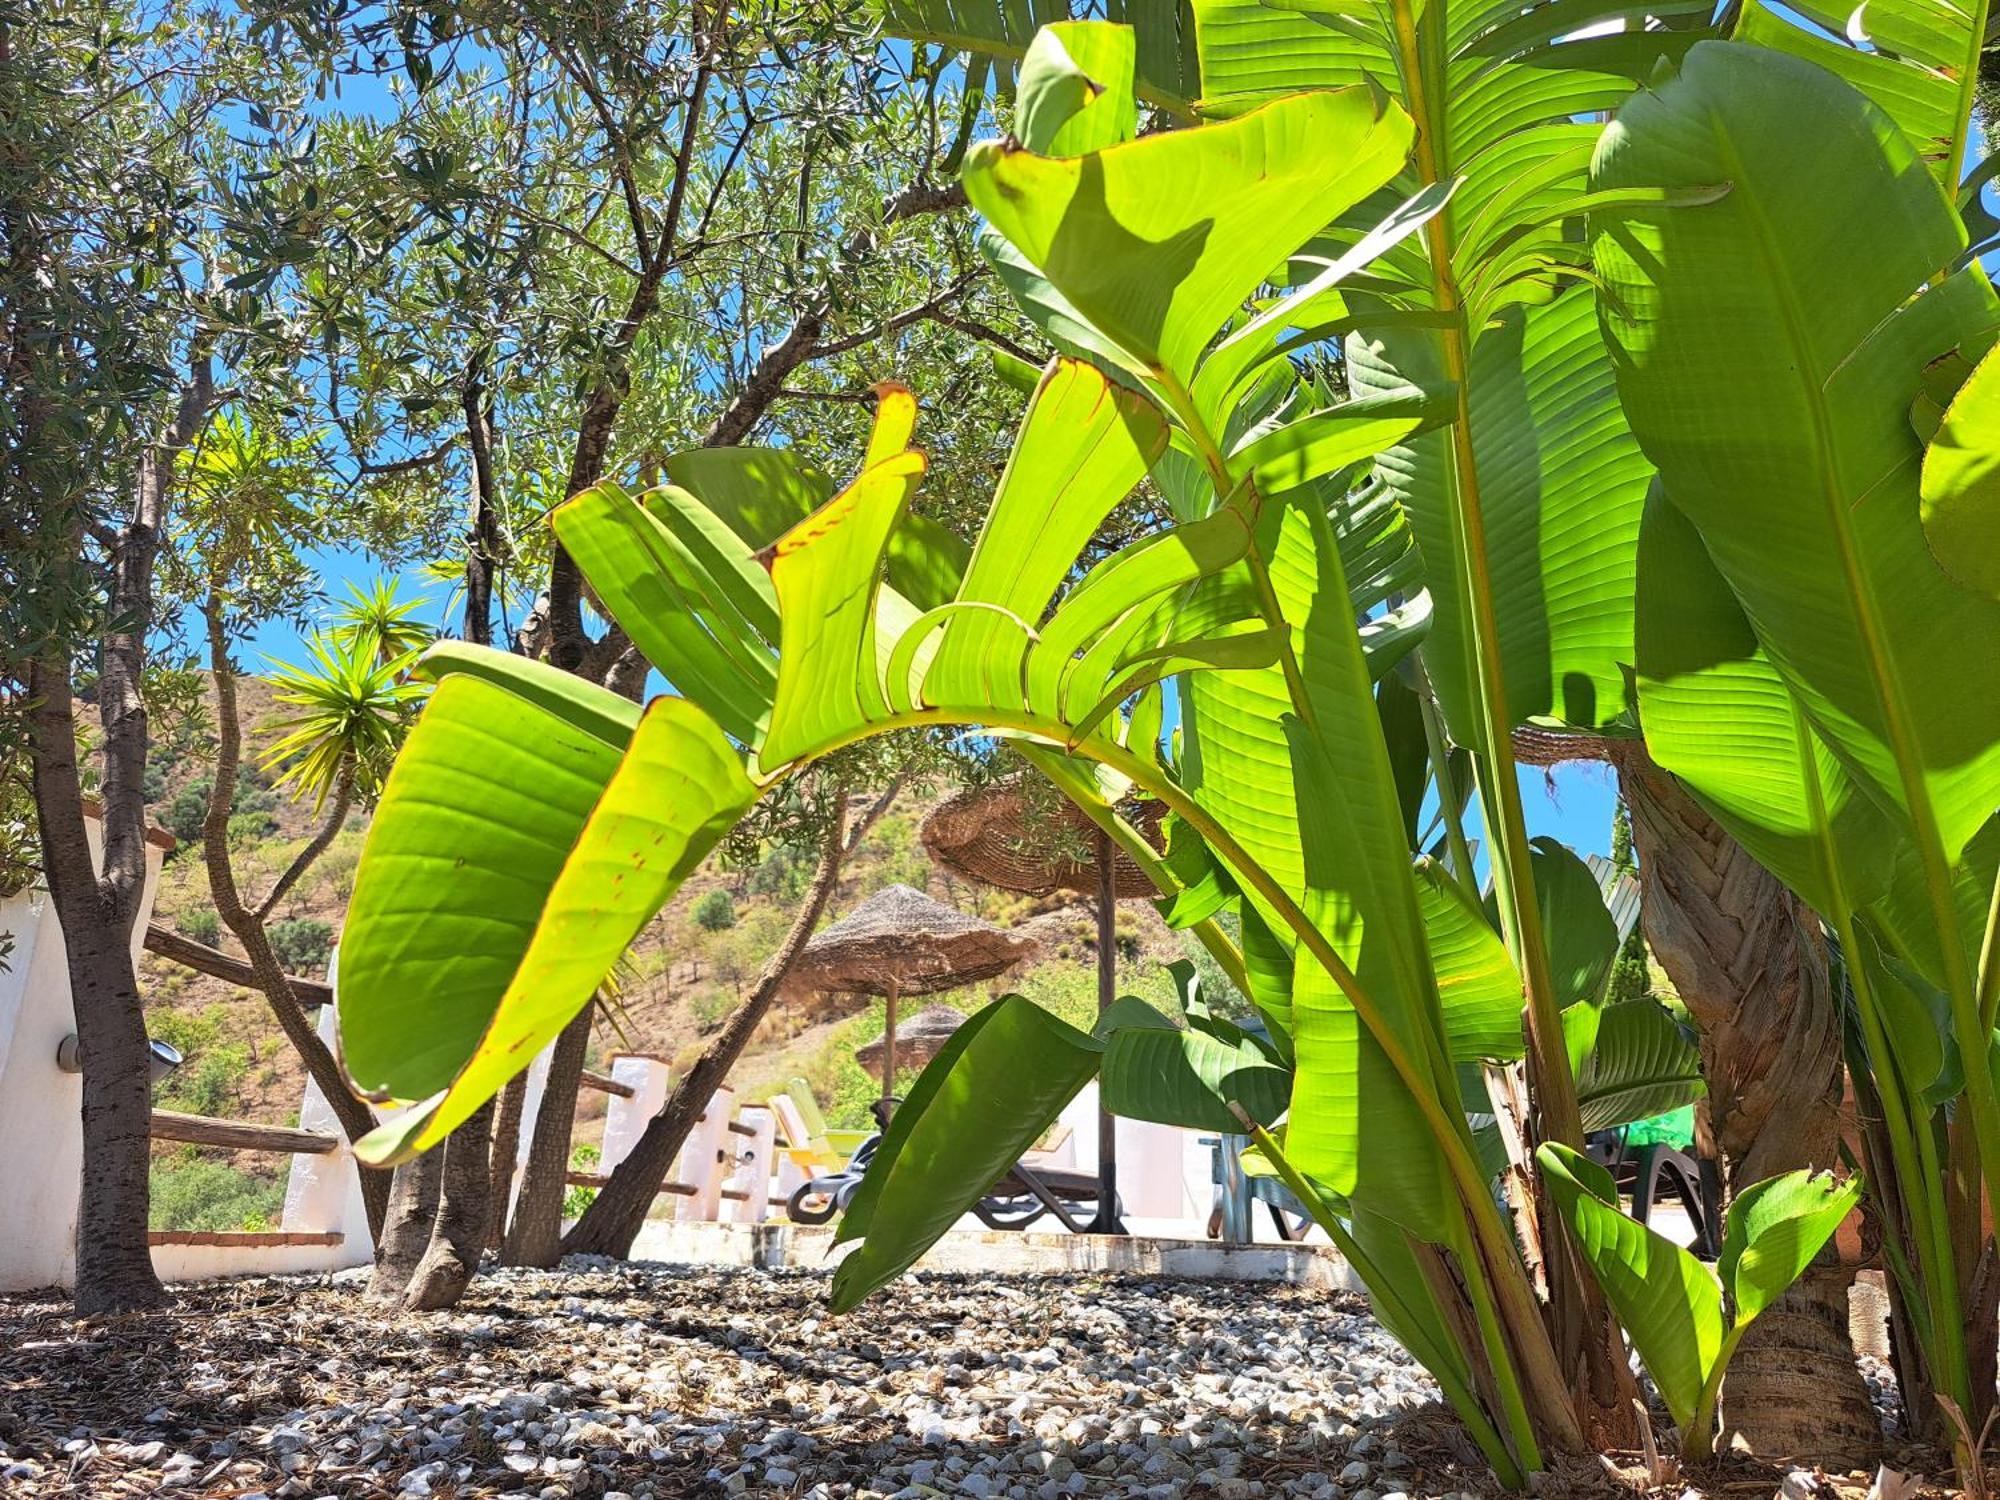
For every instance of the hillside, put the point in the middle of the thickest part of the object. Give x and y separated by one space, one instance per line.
684 975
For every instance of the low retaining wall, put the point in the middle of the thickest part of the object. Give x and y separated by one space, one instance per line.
976 1251
182 1255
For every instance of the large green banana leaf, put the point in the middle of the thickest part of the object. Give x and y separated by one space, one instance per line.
581 705
1771 781
684 614
1157 242
1775 1229
826 572
1908 919
1668 1301
1191 1076
1478 986
1961 482
514 897
1917 59
1562 487
1518 83
1000 1081
489 773
1769 375
1581 938
1635 1062
1355 1123
1077 89
1083 445
758 493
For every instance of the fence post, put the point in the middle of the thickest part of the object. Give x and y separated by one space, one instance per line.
753 1174
702 1162
625 1120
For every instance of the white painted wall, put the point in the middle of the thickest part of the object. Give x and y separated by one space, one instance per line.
41 1128
754 1156
1163 1172
215 1262
323 1192
703 1159
41 1124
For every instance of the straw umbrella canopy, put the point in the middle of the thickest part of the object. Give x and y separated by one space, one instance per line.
900 942
918 1040
1003 835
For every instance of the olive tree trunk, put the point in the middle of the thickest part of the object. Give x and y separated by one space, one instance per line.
1748 960
114 1260
99 907
500 1165
458 1229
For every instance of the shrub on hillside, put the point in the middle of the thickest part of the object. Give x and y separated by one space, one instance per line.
249 827
302 945
201 924
778 874
207 1083
252 809
336 867
711 1008
187 1033
184 815
715 911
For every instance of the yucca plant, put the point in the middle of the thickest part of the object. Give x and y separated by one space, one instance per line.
381 613
347 708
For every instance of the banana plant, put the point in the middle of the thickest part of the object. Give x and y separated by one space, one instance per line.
1787 579
1685 1320
534 824
1526 501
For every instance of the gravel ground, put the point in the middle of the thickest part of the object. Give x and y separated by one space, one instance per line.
606 1380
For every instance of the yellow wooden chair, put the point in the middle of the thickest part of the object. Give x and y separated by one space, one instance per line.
807 1141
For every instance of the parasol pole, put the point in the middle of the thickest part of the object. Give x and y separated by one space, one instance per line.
889 1047
1107 1221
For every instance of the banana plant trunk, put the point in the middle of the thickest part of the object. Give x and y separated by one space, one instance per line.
1748 960
534 1235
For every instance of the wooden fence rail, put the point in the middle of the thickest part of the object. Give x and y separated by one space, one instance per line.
605 1085
240 1135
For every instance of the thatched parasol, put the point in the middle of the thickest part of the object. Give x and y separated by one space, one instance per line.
1002 835
918 1040
900 942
